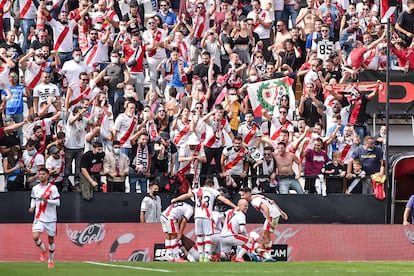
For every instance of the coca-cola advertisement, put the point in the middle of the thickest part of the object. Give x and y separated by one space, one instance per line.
136 242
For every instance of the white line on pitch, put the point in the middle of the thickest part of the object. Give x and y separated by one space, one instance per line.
129 267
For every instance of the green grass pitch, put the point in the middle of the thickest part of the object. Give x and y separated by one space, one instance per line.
196 269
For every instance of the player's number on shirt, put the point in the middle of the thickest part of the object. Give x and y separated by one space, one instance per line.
177 204
325 49
203 201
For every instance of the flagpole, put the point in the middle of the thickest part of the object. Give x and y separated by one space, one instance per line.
387 122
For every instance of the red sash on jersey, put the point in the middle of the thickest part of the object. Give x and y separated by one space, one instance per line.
43 204
43 145
157 38
103 116
36 79
61 38
152 130
31 162
345 151
306 144
355 111
371 56
199 26
126 135
277 132
262 17
82 95
250 135
188 166
2 67
213 138
26 8
92 54
236 160
182 133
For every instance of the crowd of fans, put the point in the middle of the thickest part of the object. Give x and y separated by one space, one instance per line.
130 99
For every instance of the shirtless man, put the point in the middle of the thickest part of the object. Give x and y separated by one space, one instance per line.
281 35
285 174
309 15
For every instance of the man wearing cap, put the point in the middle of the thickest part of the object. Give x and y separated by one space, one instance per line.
190 157
56 166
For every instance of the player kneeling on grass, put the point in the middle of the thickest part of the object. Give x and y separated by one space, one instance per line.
234 232
270 211
173 222
204 201
45 199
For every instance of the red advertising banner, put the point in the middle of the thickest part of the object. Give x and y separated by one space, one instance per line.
135 242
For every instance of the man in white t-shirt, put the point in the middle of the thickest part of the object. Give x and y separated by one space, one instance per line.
45 199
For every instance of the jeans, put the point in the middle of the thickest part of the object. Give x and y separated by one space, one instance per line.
289 11
361 130
142 183
6 25
17 118
286 184
70 155
113 96
25 26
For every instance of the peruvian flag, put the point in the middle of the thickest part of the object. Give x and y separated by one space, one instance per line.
266 94
387 10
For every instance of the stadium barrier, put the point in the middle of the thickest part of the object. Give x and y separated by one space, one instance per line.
137 242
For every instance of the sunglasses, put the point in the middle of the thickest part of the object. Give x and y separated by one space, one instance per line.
198 107
161 110
47 77
163 5
14 77
84 79
151 23
249 24
267 154
324 31
282 112
259 56
200 7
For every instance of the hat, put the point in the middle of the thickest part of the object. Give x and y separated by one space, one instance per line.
165 135
193 140
133 3
242 18
8 120
53 150
99 20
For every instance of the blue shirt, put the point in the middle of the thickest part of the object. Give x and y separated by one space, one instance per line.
15 104
371 160
176 80
169 19
410 205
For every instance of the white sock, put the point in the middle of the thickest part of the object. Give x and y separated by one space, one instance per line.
207 246
40 244
51 252
200 246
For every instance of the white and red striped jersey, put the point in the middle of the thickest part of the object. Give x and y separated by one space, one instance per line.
78 94
258 28
122 125
182 133
92 53
250 134
44 211
33 73
258 200
27 9
178 210
214 132
148 39
234 224
63 43
204 201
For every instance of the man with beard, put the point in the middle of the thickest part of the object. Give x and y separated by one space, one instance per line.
117 76
234 166
91 170
62 34
142 163
94 46
286 176
201 70
315 160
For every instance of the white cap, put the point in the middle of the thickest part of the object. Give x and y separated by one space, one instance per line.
193 139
